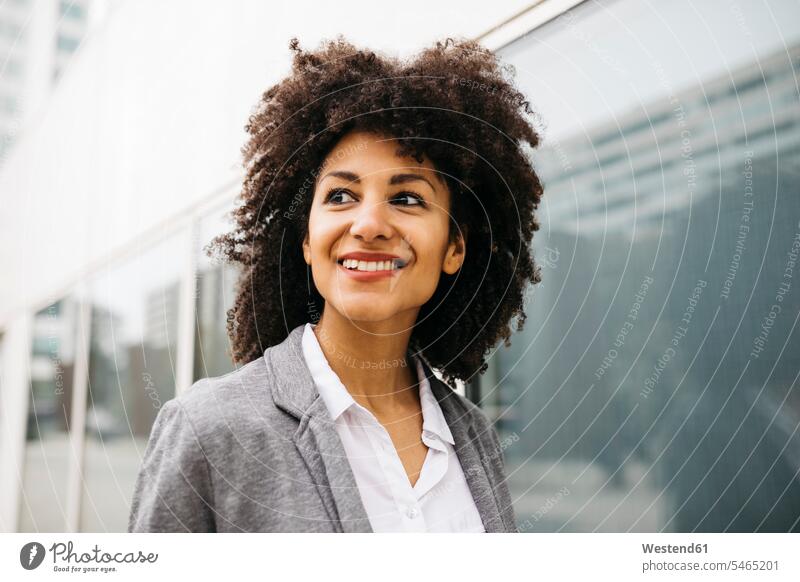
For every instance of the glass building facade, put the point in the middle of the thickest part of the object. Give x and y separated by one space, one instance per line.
654 385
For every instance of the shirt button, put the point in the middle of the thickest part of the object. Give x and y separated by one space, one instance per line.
412 512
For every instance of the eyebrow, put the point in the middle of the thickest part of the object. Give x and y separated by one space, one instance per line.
396 179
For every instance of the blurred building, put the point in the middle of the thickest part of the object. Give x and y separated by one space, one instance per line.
37 41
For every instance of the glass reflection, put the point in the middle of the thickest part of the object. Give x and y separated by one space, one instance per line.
655 385
131 374
47 451
215 294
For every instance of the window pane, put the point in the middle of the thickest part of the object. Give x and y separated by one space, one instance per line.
216 283
47 453
131 374
654 386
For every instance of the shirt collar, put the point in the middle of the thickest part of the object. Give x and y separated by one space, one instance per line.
432 416
337 399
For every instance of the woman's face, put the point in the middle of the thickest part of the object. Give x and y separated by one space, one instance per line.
377 237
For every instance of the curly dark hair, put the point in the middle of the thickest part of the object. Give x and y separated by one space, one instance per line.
453 103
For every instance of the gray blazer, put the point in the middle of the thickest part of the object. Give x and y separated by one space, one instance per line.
256 451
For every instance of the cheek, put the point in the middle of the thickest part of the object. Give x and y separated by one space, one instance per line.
429 246
429 252
321 236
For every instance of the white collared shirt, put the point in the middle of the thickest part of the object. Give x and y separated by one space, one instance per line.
440 500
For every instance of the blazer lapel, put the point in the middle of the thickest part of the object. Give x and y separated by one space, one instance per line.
470 452
316 439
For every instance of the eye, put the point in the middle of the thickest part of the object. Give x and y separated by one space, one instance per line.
417 199
337 192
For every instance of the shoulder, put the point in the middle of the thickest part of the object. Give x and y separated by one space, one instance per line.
476 412
229 385
238 399
460 406
483 426
480 420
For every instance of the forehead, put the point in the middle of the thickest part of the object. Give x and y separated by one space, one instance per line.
367 153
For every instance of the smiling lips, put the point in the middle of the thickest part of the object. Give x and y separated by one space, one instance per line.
364 266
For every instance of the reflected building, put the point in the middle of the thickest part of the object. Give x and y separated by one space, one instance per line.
216 285
685 211
47 454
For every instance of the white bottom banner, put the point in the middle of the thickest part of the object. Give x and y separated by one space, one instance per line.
400 556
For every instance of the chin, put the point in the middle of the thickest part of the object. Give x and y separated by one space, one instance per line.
357 309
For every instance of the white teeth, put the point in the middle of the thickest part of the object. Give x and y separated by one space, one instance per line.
354 264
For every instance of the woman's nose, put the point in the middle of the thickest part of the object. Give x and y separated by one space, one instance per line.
371 220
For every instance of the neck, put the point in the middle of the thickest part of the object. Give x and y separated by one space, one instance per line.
371 360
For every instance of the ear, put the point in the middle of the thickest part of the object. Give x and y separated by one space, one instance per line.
456 253
306 249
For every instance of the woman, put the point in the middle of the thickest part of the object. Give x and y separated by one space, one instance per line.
384 230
